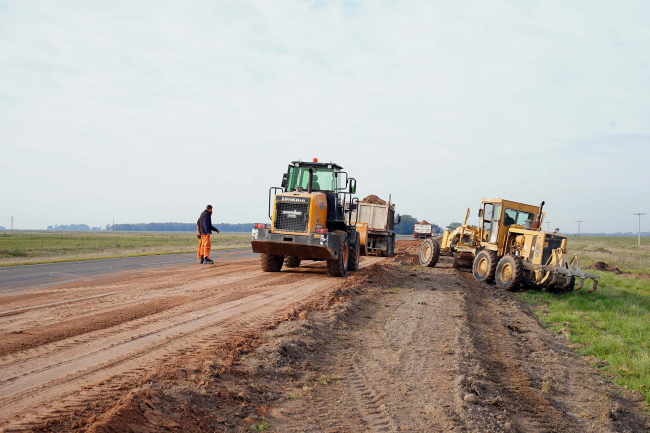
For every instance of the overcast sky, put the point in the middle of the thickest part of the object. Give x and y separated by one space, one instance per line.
146 111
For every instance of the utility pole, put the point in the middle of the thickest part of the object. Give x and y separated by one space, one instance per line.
548 226
113 226
12 223
639 232
581 221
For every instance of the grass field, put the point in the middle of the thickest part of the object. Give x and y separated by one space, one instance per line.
17 248
612 325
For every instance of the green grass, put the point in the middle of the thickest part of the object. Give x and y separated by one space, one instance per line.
260 426
611 324
20 248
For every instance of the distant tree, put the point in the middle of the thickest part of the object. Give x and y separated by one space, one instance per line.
70 227
177 227
454 225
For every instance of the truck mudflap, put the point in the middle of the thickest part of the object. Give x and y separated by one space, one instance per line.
305 246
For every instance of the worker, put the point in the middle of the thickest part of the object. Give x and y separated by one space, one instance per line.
508 221
204 228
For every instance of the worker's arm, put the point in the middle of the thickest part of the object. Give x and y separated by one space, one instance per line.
214 229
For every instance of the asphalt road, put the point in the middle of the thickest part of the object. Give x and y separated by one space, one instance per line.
15 278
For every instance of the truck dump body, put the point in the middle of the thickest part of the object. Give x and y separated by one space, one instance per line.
422 230
375 222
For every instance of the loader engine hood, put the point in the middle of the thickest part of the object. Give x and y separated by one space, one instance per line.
299 212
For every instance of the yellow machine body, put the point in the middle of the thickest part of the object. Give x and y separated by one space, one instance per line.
508 227
317 210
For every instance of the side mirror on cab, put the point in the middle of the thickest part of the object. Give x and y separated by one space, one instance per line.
399 219
353 186
284 181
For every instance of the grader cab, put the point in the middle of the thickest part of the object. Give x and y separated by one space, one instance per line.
509 248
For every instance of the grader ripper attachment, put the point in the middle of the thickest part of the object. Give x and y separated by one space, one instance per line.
509 248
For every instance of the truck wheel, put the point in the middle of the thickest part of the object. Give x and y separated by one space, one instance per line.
429 253
271 262
355 253
338 267
509 272
485 265
291 262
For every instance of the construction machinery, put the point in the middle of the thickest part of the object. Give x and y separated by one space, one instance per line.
375 223
508 247
422 230
308 221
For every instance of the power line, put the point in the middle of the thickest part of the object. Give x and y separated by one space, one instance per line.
580 221
639 232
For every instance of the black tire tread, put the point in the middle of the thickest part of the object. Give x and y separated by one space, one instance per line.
493 261
435 256
518 273
355 252
292 262
336 267
271 262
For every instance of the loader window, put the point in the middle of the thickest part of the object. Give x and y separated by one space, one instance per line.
324 179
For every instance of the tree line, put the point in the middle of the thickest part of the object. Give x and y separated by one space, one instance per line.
405 227
176 227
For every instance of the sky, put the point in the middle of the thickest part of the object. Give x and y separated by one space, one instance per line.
147 111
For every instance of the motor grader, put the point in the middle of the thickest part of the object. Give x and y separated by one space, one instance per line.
308 221
509 248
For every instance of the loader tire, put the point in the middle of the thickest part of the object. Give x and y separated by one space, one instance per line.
271 262
485 265
355 253
338 267
510 272
291 262
429 253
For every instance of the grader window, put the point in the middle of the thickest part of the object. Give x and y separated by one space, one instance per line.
517 217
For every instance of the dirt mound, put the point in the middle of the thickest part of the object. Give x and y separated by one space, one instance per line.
373 199
602 266
424 222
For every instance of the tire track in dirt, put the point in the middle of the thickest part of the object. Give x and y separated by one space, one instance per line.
45 381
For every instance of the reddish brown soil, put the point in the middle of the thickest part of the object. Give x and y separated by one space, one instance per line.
392 347
373 199
602 266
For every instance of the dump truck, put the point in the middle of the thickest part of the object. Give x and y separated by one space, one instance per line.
375 223
422 230
308 221
509 248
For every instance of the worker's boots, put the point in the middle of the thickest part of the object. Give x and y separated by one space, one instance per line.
201 260
208 261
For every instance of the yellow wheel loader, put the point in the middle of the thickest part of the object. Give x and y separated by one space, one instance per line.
509 248
308 221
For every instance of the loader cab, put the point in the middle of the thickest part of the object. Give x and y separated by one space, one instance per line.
498 215
328 179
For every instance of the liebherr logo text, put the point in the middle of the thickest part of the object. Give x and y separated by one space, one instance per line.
299 200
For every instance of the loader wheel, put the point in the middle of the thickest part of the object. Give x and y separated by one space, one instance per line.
429 253
485 265
355 253
291 262
510 272
271 262
338 267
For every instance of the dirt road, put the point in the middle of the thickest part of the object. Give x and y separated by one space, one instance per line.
68 345
393 347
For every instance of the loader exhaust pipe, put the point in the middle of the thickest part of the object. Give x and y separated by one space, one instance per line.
311 180
538 222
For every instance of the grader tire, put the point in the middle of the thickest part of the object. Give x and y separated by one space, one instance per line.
338 267
355 253
292 262
429 253
485 265
271 262
509 272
